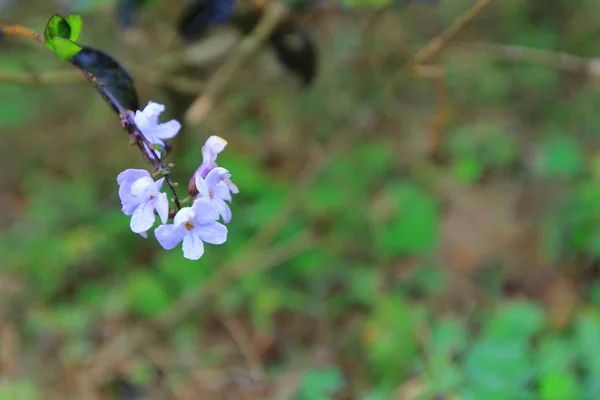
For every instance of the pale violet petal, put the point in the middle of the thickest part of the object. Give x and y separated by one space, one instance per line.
167 130
223 209
201 186
128 208
221 191
204 169
144 188
152 111
159 183
169 236
143 234
232 186
128 202
132 175
215 176
143 217
213 233
214 145
161 204
186 214
192 246
205 212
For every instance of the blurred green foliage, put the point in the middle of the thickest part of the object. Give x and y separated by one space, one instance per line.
396 298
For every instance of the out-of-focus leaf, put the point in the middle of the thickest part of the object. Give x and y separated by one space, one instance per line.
390 340
561 156
320 384
412 222
498 367
519 320
126 12
108 77
200 14
295 50
557 386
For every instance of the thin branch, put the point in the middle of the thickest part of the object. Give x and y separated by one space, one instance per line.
273 14
18 30
178 83
128 123
435 46
552 59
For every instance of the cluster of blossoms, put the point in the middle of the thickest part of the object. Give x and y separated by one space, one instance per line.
209 188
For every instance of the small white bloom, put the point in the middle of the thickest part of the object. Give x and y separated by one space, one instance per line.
155 132
140 196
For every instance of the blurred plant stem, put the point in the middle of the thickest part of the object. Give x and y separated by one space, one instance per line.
202 105
434 47
18 30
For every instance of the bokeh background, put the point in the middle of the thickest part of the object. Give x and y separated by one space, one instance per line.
430 238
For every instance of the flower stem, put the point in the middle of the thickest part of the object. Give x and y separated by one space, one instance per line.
18 30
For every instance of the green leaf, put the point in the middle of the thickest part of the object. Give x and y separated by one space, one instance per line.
64 48
75 23
557 386
57 26
561 156
108 77
319 383
412 223
519 320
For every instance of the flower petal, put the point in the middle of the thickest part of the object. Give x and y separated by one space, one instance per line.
143 217
232 186
213 233
215 176
186 214
159 183
144 188
202 186
223 209
213 146
161 204
221 191
167 130
131 175
150 114
205 212
169 236
193 248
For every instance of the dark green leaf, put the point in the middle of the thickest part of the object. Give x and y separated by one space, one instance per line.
109 78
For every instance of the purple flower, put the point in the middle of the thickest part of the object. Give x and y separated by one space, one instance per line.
140 196
216 191
193 226
154 132
213 146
